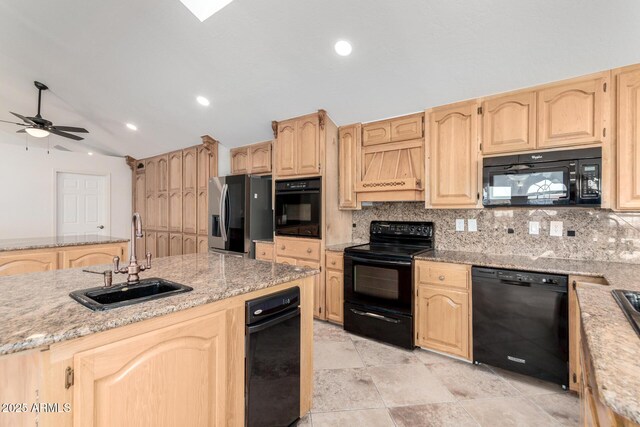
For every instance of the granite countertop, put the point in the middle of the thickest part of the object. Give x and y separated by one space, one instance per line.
340 247
613 343
37 310
56 242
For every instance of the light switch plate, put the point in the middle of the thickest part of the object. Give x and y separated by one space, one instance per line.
555 229
472 224
459 224
534 227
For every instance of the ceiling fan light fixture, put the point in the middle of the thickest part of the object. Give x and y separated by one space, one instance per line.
37 133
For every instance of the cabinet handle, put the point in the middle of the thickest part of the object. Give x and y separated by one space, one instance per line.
333 262
441 277
263 253
308 250
282 247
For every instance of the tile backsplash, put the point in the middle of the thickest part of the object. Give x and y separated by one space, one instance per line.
599 234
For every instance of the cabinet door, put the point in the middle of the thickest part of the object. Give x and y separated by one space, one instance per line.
203 211
189 212
203 244
21 263
348 165
629 139
454 156
204 167
189 169
189 244
175 244
152 211
239 161
286 260
151 243
443 320
162 245
171 376
376 133
175 211
509 123
319 311
411 127
150 170
286 149
335 299
572 113
162 214
175 171
162 173
264 251
260 157
93 255
308 146
140 197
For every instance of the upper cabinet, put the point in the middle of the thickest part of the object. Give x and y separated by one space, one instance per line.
376 133
348 162
189 166
251 159
394 130
509 123
453 162
239 161
297 146
628 114
573 113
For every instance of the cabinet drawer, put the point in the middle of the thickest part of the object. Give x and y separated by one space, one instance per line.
334 261
407 128
376 133
443 274
264 251
298 248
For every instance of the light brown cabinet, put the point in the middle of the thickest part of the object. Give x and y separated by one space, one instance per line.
573 113
139 198
264 251
175 171
443 307
628 127
175 244
453 162
260 158
151 243
189 244
15 262
239 161
162 245
189 212
96 255
203 244
509 123
297 146
393 130
189 169
149 384
376 133
349 145
334 287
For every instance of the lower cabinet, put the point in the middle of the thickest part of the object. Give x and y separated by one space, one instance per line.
27 262
162 245
189 244
264 251
443 308
203 244
95 255
139 378
175 244
334 287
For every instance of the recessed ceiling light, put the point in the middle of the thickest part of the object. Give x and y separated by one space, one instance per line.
90 153
132 126
203 9
343 48
203 101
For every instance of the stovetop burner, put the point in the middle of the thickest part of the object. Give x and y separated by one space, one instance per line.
396 239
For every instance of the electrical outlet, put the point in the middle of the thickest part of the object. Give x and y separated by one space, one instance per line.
472 224
459 224
534 227
555 228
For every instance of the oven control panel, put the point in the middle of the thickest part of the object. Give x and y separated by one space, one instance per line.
410 229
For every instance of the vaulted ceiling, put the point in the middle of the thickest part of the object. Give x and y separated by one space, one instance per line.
144 61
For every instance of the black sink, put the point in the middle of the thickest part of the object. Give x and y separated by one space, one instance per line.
103 298
629 301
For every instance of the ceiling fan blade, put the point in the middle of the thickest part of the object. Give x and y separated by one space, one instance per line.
65 135
21 131
13 123
69 129
23 118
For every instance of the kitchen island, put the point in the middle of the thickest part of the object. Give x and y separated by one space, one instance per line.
175 359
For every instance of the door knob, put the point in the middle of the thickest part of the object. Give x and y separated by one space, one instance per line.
101 227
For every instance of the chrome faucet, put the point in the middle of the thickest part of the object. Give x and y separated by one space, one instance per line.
133 269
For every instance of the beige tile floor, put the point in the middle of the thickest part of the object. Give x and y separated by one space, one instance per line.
360 382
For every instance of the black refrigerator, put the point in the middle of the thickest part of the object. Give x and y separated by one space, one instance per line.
240 211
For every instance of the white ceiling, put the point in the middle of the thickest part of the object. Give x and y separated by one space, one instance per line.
144 61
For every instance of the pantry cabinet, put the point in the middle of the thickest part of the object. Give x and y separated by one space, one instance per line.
443 307
509 123
453 159
628 138
297 146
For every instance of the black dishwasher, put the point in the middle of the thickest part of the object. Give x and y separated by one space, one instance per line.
272 364
520 322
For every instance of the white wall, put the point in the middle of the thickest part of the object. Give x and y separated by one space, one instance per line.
27 181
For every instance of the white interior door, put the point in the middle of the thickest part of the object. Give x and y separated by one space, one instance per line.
81 205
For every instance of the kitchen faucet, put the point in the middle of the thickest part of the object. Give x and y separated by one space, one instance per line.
133 269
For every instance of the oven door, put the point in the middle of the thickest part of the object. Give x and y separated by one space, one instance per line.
298 213
552 183
382 283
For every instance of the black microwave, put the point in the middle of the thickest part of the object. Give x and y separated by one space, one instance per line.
298 210
552 178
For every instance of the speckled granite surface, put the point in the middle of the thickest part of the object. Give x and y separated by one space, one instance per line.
614 345
55 242
340 247
36 309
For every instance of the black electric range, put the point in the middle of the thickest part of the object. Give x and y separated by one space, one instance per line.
378 281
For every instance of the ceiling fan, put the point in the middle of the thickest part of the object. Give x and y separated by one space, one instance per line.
39 127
